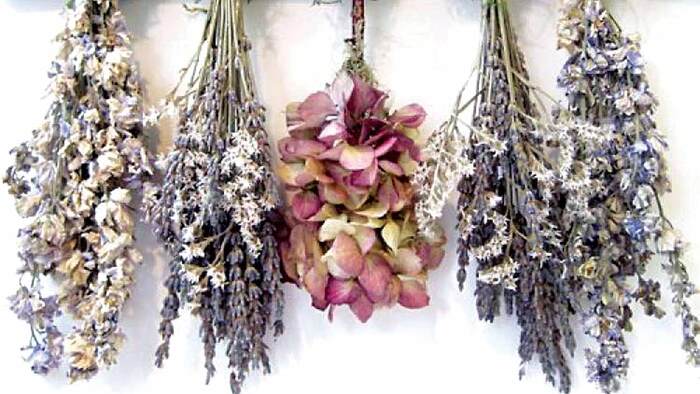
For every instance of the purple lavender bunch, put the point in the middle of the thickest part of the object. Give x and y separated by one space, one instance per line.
605 84
519 163
215 210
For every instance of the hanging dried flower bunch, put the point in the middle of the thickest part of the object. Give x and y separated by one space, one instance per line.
605 83
73 183
346 168
215 209
517 164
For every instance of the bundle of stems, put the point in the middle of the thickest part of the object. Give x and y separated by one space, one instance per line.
519 165
215 211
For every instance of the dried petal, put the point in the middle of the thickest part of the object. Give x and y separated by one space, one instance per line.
362 308
357 157
376 277
408 262
305 205
413 294
345 258
340 292
412 116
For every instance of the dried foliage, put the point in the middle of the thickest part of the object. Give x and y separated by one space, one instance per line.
215 211
73 183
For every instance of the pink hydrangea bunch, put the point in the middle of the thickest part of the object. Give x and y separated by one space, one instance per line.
346 167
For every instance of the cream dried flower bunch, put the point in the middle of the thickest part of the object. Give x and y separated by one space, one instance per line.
73 182
215 209
347 166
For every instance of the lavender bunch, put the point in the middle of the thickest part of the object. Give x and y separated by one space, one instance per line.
605 84
72 183
519 165
215 209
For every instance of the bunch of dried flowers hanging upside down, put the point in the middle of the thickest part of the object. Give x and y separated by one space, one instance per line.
73 184
518 164
605 83
347 167
215 209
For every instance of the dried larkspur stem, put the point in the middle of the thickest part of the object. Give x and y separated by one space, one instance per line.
605 84
73 183
215 211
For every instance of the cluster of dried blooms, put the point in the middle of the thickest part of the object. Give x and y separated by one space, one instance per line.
215 209
73 185
605 84
516 165
347 169
562 215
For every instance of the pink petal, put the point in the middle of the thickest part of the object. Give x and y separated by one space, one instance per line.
294 149
341 89
391 167
375 278
338 173
357 157
403 143
332 154
364 97
393 291
316 109
412 116
365 237
366 177
431 255
340 292
305 205
385 147
416 153
333 131
362 308
413 294
333 194
386 132
393 193
408 262
346 260
315 282
371 127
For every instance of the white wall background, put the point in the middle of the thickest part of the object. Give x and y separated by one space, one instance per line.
422 51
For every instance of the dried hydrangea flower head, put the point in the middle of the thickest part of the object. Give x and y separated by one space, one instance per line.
605 84
517 163
346 168
215 209
73 183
